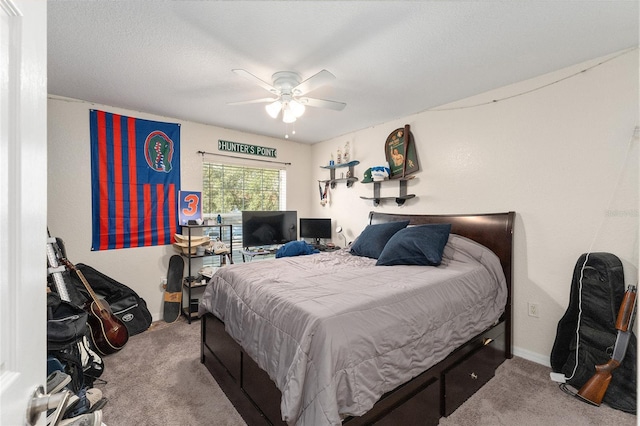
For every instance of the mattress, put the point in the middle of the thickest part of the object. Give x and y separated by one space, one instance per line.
335 332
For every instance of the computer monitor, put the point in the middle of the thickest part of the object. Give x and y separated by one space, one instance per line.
316 229
267 228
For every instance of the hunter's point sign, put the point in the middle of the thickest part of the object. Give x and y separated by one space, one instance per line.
243 148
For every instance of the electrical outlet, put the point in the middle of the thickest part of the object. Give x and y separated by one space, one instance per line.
533 310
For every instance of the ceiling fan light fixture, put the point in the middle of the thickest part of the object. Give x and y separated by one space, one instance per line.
287 115
273 109
288 88
296 108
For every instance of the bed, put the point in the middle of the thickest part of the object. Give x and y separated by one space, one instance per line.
346 342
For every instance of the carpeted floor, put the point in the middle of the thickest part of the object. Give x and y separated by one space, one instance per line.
157 379
522 394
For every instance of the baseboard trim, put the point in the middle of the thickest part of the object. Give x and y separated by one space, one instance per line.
532 356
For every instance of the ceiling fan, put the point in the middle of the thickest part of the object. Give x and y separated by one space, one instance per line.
289 93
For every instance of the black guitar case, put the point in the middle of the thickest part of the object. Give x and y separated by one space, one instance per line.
603 289
124 302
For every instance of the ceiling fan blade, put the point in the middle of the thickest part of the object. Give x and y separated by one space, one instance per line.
313 82
321 103
253 101
246 74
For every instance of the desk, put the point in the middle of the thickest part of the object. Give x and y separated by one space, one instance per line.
323 248
248 255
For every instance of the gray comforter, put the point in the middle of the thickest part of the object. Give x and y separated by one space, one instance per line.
335 332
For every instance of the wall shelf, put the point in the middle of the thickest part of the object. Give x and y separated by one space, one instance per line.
350 179
400 199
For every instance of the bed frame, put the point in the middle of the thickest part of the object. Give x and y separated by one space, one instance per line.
423 400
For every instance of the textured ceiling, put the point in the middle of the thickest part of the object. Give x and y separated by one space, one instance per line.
391 59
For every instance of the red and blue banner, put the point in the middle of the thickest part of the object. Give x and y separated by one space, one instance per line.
135 180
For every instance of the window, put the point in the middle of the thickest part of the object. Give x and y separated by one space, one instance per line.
227 190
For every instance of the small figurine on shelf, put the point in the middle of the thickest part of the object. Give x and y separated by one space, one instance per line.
345 156
219 219
339 156
331 163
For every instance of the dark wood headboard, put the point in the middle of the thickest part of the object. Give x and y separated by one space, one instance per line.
492 230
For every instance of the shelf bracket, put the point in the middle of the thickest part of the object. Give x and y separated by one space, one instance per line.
376 192
403 188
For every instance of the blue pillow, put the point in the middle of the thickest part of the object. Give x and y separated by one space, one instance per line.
372 240
418 245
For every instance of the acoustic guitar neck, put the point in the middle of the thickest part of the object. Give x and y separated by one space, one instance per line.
72 267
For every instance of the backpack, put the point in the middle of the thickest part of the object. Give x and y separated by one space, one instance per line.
603 289
67 343
125 303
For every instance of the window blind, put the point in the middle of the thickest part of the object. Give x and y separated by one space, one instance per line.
227 188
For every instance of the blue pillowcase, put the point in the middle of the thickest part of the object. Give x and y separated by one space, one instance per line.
417 245
372 240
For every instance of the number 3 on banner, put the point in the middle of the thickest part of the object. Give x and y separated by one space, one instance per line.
190 207
192 201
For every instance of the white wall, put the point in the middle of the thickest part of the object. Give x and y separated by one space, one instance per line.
69 189
554 156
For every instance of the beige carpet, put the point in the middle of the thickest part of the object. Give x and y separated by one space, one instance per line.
522 394
157 379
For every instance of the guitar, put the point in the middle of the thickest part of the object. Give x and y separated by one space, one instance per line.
108 332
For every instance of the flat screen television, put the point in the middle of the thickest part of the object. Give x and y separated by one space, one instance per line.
268 228
315 229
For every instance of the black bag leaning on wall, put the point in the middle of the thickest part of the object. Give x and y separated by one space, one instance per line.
125 303
603 289
66 322
66 326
